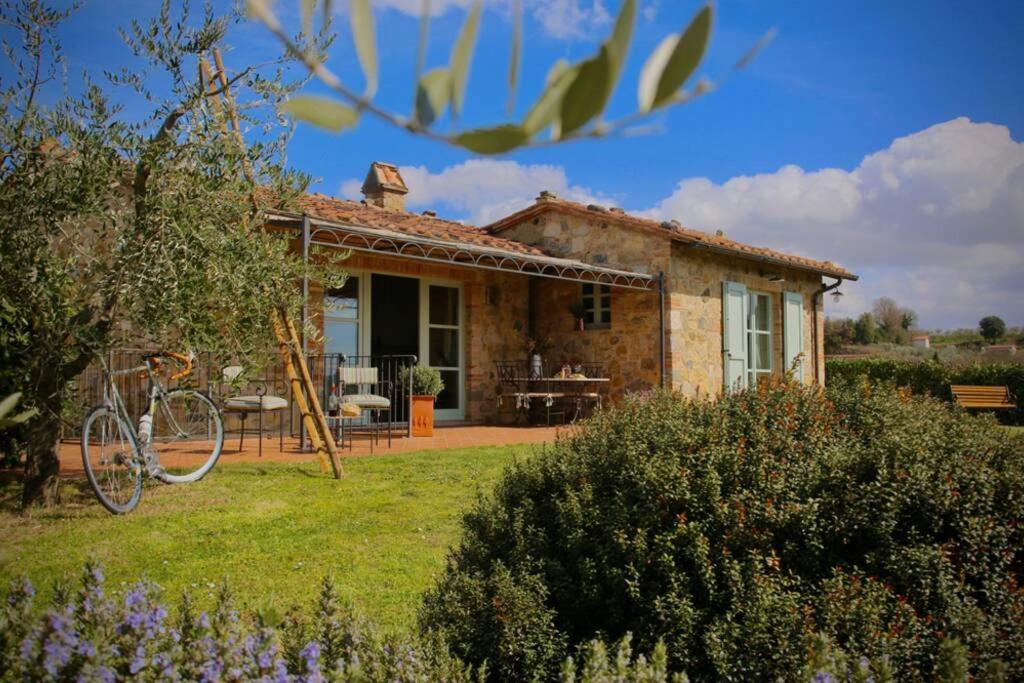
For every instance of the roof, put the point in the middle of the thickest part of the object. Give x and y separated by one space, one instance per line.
366 227
548 202
344 211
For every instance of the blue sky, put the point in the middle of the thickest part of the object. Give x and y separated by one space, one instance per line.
881 135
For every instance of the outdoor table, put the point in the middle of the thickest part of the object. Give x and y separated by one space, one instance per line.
575 387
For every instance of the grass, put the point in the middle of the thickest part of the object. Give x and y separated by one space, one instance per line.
272 531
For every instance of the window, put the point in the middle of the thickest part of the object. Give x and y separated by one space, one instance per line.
759 337
597 305
341 318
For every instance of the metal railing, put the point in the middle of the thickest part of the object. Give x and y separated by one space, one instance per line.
323 369
207 376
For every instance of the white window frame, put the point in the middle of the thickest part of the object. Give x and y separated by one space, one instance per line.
362 318
602 314
752 332
459 412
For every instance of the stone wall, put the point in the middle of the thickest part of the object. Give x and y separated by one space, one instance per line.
694 285
601 243
628 347
693 320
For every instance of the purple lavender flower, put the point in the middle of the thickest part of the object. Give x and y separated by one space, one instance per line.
20 592
311 655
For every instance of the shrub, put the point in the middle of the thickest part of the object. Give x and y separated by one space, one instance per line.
931 377
738 531
426 381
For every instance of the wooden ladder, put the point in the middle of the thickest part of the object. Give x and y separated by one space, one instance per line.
288 342
305 395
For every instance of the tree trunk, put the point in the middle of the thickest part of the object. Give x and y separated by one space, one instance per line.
42 463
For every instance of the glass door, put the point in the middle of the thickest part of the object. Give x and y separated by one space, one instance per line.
442 340
759 334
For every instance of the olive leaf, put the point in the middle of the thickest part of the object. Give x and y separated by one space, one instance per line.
462 56
365 37
432 95
322 111
673 62
7 405
514 54
494 140
548 105
587 93
595 80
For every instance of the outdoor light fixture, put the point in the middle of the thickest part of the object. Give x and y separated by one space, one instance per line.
836 296
775 277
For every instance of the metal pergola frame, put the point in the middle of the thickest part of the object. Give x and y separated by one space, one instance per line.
319 232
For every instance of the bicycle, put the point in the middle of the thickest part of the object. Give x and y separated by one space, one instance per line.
178 440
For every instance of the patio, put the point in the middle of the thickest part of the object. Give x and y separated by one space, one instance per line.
444 438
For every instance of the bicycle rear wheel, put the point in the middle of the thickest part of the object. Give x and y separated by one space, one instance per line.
111 460
188 435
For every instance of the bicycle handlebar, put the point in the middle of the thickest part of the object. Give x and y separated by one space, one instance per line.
153 362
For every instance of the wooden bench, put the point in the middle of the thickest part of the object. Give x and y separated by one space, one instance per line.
987 398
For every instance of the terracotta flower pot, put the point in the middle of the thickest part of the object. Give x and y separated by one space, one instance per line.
423 415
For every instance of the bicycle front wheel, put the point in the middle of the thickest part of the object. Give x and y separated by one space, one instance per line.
188 435
111 460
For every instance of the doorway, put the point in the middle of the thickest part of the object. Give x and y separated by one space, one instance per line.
394 315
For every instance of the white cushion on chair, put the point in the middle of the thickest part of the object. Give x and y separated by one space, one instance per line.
367 400
252 403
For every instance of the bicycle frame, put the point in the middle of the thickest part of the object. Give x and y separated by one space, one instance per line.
112 399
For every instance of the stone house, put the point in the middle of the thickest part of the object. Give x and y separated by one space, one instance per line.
661 304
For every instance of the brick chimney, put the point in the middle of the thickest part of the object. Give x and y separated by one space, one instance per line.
384 187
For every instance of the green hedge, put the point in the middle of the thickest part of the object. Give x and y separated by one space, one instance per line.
934 378
739 531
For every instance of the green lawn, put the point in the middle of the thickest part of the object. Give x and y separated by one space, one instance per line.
272 531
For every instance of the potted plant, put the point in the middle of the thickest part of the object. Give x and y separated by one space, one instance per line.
426 385
576 308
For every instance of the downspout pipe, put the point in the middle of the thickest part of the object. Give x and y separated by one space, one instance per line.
661 325
815 360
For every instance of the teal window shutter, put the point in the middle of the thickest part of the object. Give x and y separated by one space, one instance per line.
793 332
734 335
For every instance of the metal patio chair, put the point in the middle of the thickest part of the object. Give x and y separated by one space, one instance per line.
260 402
371 394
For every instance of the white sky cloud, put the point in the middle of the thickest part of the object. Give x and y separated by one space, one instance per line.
558 18
935 220
482 190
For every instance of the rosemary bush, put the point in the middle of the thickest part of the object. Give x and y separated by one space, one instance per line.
741 531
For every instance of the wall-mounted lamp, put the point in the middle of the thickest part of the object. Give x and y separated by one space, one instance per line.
774 277
836 295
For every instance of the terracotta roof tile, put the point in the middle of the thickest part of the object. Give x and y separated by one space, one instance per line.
367 215
548 202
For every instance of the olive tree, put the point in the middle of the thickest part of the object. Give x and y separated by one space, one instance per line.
138 228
